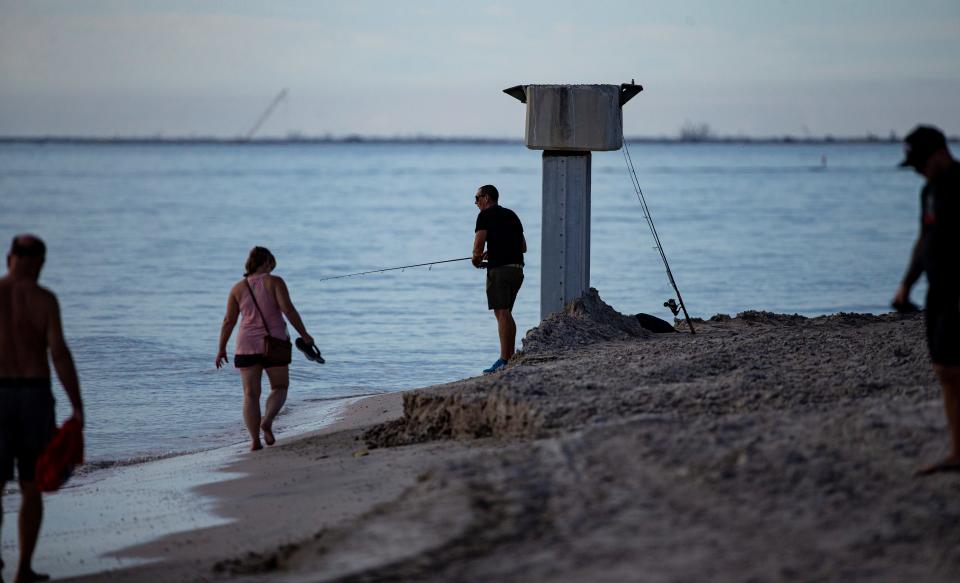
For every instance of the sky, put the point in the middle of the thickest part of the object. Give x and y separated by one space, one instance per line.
762 68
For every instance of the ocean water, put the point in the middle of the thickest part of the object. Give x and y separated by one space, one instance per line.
145 241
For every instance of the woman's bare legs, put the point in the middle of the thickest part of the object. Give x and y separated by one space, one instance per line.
251 403
279 381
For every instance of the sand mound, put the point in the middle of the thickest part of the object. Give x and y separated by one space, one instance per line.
854 319
479 409
773 319
585 320
760 317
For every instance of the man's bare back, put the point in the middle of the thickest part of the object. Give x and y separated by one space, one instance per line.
30 323
27 314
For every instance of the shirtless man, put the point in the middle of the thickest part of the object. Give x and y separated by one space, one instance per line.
29 327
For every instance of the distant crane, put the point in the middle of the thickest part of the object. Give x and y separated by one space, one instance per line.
266 113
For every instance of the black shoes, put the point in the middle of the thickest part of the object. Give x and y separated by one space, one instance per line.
310 351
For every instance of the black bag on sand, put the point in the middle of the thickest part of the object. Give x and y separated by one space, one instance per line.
654 324
276 351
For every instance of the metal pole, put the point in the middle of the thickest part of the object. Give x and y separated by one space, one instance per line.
565 242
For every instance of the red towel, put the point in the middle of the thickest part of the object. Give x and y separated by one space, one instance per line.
64 451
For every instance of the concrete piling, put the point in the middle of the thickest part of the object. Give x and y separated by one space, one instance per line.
567 122
565 241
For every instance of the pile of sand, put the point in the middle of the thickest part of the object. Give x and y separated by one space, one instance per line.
585 320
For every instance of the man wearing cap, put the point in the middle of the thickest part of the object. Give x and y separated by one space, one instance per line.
937 252
500 230
29 329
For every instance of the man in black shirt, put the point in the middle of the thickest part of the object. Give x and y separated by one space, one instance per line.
501 231
937 252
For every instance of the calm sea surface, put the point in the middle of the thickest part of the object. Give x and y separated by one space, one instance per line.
145 241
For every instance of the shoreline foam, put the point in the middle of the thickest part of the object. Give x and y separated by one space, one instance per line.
86 522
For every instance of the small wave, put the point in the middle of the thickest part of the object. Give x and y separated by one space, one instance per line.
97 465
90 468
343 397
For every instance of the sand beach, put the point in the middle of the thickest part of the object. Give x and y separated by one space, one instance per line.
763 448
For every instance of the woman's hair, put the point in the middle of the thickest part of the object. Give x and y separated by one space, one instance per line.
258 257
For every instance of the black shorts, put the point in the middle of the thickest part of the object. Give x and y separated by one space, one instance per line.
503 285
27 422
943 327
248 360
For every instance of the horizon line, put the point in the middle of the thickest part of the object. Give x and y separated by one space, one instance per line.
432 139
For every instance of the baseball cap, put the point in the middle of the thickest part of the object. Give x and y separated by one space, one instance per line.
920 144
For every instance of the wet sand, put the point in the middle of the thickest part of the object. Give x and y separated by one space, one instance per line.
763 448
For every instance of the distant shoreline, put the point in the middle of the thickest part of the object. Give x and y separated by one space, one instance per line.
426 140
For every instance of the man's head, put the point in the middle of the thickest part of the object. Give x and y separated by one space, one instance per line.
26 256
487 196
925 150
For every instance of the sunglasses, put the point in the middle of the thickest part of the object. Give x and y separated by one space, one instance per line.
478 197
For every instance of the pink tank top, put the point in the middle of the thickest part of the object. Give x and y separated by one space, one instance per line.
251 332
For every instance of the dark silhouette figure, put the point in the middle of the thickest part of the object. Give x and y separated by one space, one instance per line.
500 231
937 252
29 329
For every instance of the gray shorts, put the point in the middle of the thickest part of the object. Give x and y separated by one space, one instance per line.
27 422
503 284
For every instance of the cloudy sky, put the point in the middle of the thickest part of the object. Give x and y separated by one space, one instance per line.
388 68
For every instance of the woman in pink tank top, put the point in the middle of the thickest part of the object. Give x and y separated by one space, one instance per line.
262 300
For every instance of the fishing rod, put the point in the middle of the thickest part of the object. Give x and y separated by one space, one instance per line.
431 263
656 238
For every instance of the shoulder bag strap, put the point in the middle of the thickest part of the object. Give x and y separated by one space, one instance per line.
253 296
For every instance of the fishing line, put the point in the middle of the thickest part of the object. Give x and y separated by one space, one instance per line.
656 238
430 263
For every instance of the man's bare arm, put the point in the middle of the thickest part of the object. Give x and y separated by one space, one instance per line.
478 243
916 265
914 270
62 359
